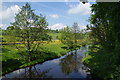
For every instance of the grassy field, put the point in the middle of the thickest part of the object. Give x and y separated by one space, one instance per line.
55 36
12 60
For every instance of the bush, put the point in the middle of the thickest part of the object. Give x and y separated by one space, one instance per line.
102 63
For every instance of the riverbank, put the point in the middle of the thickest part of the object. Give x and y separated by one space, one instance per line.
67 66
102 63
12 60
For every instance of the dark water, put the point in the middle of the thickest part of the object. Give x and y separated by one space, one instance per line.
68 66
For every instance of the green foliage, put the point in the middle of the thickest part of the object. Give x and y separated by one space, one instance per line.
105 24
101 62
53 31
116 74
74 37
55 36
67 37
12 60
104 55
28 29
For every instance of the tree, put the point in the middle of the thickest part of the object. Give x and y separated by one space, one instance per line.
76 31
72 37
104 26
66 37
29 29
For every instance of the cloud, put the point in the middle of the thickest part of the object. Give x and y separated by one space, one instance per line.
82 27
55 16
7 15
9 12
57 26
66 0
61 26
83 9
3 26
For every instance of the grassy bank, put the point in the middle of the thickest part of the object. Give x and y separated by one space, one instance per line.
12 60
103 63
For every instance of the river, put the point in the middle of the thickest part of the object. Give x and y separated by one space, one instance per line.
67 66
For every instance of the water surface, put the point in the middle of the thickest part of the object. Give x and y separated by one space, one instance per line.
68 66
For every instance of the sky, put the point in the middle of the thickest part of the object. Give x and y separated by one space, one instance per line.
58 14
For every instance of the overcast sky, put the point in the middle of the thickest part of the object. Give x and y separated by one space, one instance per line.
58 14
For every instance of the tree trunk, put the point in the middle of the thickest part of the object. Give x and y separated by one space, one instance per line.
30 72
29 59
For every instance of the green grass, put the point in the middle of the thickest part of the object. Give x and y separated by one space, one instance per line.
56 48
54 35
86 59
9 52
12 60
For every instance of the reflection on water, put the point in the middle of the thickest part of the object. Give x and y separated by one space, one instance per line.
33 73
30 72
71 63
68 66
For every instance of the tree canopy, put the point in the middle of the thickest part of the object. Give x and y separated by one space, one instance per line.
105 50
29 29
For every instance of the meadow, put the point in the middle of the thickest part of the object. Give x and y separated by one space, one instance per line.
12 60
